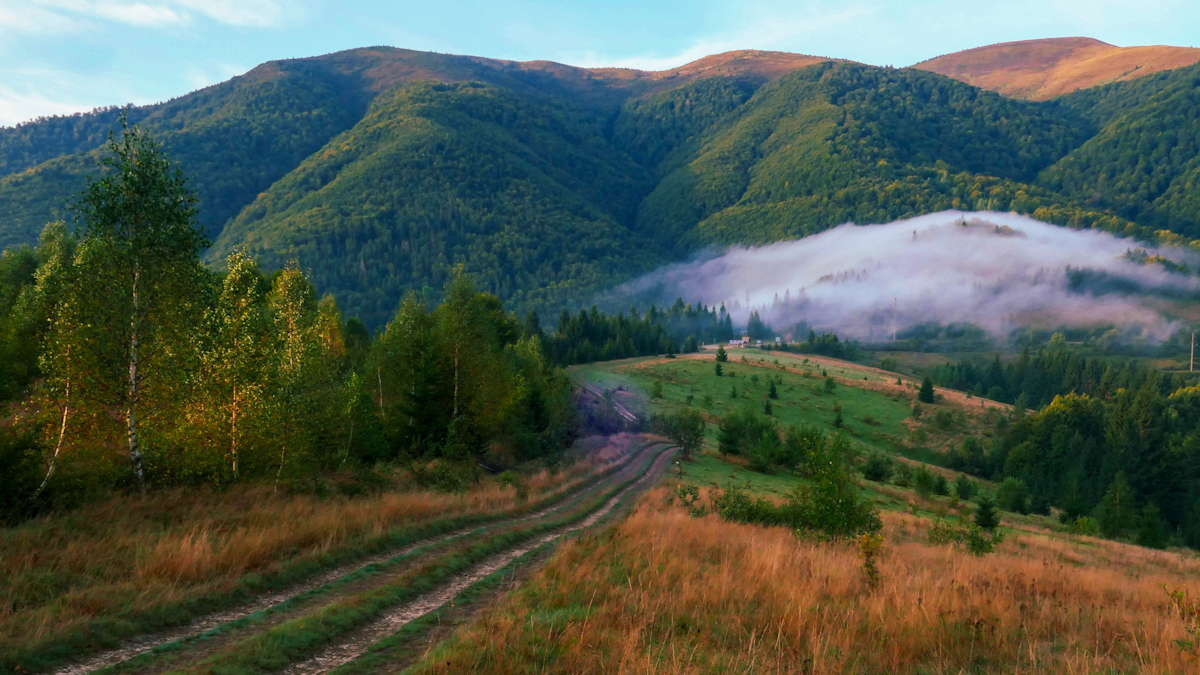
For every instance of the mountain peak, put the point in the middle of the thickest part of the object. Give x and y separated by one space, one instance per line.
1043 69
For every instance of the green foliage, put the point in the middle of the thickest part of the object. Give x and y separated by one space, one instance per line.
828 505
20 475
878 467
1012 495
973 538
1116 512
722 356
1150 528
717 368
656 391
925 394
985 513
964 488
596 336
686 430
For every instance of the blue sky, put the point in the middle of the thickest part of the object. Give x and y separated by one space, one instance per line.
63 56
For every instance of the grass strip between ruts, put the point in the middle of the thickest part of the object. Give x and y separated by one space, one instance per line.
109 631
303 636
381 652
165 650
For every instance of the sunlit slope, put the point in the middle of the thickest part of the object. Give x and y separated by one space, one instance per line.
527 193
1043 69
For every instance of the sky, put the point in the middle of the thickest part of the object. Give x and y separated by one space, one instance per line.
64 56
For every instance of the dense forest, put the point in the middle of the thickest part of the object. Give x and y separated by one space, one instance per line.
379 171
154 370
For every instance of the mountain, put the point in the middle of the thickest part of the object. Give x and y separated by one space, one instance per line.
380 169
1038 70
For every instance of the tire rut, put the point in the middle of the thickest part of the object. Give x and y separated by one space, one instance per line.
137 646
360 640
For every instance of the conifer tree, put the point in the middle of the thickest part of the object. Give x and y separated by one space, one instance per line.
925 395
722 355
1116 513
985 515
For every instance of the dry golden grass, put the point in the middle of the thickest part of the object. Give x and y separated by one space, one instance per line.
140 553
665 593
1042 69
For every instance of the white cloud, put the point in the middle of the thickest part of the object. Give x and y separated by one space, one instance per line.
63 16
256 13
17 107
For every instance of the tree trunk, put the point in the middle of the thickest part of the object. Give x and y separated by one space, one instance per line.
379 374
233 422
62 433
131 428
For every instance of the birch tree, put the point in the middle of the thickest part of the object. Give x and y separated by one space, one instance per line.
140 218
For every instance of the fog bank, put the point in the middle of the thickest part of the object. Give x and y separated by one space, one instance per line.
998 270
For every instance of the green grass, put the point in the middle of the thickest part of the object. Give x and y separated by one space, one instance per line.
708 469
802 398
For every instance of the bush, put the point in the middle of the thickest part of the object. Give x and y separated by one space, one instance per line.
515 480
943 419
923 482
1085 525
446 476
916 411
1012 495
20 476
830 505
971 537
940 486
878 467
963 487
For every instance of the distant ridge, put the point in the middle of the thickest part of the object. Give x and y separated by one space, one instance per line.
1042 69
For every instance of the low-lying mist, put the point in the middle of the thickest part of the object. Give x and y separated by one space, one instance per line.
999 271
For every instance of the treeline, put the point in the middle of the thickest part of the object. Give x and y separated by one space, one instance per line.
596 336
1035 378
152 370
1113 446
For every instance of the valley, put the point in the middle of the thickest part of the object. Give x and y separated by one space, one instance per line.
395 361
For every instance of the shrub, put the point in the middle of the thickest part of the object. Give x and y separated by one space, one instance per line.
923 482
20 475
515 480
971 537
878 467
963 487
916 411
940 486
1012 495
830 384
656 390
943 419
830 505
1086 525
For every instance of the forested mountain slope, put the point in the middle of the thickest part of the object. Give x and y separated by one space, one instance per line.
382 169
527 191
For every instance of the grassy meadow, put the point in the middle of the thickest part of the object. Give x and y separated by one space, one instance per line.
667 592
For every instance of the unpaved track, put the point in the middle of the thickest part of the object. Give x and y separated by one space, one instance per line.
140 645
360 640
